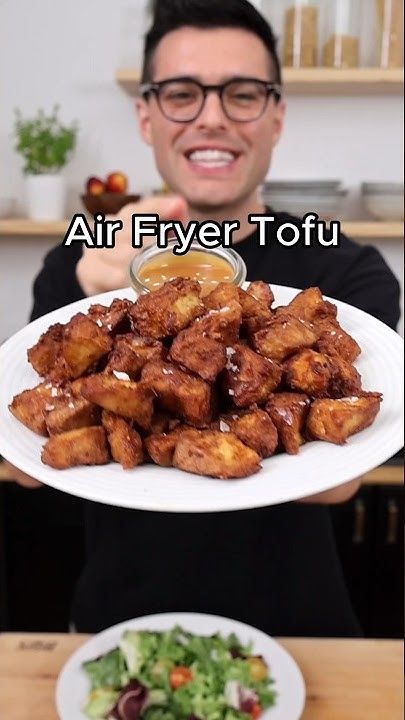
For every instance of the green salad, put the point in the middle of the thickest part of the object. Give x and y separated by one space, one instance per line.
176 675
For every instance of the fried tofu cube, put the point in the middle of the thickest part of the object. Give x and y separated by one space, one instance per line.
255 314
249 378
131 352
70 413
309 305
308 372
223 295
255 429
113 319
262 292
333 340
161 446
179 392
288 412
221 324
166 311
83 344
345 379
122 397
124 441
83 446
335 420
200 354
211 452
283 336
44 353
30 407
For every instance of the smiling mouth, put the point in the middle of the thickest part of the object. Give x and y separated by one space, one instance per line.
211 158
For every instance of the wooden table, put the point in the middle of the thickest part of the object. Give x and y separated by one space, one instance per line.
345 679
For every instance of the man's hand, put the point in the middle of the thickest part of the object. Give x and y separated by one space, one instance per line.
12 473
336 495
103 269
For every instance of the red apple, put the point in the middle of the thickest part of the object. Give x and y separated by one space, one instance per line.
95 186
117 182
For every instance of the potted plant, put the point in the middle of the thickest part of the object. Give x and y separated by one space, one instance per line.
46 146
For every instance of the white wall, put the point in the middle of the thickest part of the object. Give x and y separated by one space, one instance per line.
67 52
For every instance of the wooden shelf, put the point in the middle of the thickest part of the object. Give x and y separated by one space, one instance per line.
22 226
314 81
354 229
373 230
352 81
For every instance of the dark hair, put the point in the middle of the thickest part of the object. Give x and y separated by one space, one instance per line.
168 15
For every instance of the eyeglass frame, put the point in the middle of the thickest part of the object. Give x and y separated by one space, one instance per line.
271 88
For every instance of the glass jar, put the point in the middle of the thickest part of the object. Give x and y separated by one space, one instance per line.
301 31
390 33
153 266
341 49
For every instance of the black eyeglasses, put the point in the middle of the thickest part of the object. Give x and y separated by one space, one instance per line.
182 99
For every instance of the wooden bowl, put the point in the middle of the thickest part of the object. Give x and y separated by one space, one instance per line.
108 203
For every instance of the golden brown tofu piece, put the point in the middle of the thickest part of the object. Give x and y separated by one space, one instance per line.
249 378
255 314
161 446
288 412
131 352
179 392
308 372
124 441
221 324
43 354
283 336
200 354
30 407
215 453
122 397
70 413
84 446
309 305
345 379
166 311
83 344
113 319
333 340
223 295
262 292
335 420
255 429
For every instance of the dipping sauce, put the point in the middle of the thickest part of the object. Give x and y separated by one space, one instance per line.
209 271
152 267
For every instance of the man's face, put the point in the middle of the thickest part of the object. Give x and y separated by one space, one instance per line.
212 57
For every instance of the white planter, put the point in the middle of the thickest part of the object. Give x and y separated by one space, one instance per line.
45 197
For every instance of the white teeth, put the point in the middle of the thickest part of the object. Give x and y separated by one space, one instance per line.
212 157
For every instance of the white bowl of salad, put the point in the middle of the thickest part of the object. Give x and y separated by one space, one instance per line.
180 666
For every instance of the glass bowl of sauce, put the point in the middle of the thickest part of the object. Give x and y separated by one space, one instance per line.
154 266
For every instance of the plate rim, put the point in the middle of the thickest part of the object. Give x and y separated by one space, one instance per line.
72 661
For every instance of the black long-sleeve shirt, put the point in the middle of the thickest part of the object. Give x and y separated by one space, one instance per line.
275 567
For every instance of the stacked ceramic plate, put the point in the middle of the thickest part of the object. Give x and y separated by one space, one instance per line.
384 201
299 197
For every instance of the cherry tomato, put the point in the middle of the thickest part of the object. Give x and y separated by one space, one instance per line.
179 676
256 711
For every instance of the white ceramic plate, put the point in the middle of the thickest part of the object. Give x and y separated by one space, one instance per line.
72 687
319 465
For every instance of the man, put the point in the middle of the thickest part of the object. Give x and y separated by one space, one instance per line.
275 568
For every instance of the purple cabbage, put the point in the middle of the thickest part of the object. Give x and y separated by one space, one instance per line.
130 703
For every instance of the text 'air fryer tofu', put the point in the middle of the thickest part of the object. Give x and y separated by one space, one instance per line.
209 385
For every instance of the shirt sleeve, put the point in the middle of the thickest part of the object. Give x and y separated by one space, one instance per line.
56 284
